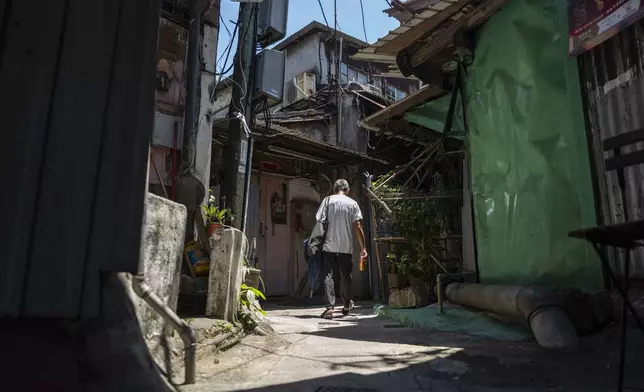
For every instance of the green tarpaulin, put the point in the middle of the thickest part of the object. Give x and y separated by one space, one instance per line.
433 115
529 159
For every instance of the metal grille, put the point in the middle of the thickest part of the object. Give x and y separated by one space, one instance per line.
447 204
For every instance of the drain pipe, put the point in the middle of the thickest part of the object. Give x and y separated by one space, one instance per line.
540 307
193 66
440 278
143 290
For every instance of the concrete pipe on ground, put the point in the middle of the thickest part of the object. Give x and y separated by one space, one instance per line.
540 307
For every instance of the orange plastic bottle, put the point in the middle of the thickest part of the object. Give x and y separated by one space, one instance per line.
363 263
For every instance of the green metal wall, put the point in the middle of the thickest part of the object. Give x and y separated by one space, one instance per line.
529 161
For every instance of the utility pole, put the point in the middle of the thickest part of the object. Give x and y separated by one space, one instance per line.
338 90
236 152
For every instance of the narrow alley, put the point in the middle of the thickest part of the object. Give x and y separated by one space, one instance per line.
362 352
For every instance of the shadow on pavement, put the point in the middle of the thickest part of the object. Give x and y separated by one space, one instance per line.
490 364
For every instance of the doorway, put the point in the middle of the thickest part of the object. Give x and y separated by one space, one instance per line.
274 236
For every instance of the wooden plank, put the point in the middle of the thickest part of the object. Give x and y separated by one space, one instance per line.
70 174
421 96
420 30
29 51
484 12
623 139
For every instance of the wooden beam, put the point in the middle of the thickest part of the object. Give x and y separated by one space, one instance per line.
474 18
421 96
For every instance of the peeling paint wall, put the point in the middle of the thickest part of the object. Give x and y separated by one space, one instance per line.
353 136
222 101
171 57
305 56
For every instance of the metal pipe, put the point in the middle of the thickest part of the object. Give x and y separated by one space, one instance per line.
174 158
143 290
439 292
154 165
371 234
382 203
540 307
190 125
250 88
249 165
441 279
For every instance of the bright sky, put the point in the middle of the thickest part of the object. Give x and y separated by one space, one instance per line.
303 12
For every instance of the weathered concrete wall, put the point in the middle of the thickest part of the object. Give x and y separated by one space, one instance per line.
222 102
318 130
353 137
161 250
225 276
305 57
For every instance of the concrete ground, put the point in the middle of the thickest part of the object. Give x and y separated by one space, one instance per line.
364 353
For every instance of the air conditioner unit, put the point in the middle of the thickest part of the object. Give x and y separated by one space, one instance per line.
271 21
305 83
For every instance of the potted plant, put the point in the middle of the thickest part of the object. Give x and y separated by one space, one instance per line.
215 217
396 274
252 276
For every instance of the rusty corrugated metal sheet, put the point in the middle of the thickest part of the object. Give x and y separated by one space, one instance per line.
613 80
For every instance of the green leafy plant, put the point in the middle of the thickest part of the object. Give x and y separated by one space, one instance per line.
248 298
215 214
421 222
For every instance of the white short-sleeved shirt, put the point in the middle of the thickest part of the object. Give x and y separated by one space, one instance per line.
343 212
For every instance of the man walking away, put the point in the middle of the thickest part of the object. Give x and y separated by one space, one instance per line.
343 221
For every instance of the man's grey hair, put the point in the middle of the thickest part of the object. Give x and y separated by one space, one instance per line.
341 185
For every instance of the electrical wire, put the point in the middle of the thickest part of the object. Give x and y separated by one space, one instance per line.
225 26
324 15
364 27
223 69
239 57
226 53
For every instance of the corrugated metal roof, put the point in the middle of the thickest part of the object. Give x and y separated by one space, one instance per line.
613 79
424 25
405 10
379 52
415 28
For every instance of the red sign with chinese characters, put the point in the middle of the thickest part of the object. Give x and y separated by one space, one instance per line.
591 22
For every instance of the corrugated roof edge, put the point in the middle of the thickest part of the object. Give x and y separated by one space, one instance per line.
311 28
